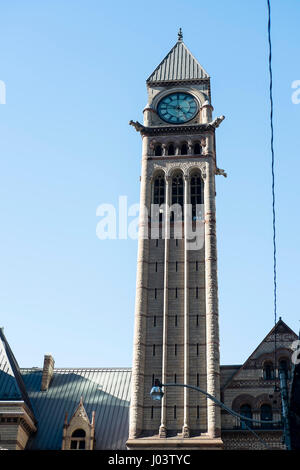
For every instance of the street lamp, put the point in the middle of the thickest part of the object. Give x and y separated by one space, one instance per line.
156 393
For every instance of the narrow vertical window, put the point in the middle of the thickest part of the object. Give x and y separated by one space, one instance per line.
197 349
175 350
154 320
198 411
156 267
197 320
197 149
176 266
196 292
151 412
156 244
153 378
176 242
196 194
153 350
155 293
184 149
175 379
196 265
171 150
177 189
197 380
175 413
176 292
175 320
158 150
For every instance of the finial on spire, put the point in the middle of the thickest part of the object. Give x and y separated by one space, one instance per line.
180 35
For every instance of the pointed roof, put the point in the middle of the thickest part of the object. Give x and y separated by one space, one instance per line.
80 412
179 64
281 327
12 387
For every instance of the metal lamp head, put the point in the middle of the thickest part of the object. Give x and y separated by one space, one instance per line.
156 393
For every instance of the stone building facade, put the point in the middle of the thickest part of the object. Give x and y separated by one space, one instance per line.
176 336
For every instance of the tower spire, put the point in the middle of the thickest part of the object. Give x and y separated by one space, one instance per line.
180 35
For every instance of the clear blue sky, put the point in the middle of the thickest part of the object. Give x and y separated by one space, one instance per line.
75 75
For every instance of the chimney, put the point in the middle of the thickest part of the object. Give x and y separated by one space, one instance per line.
48 369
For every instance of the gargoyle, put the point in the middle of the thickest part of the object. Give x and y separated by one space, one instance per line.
138 126
219 171
217 121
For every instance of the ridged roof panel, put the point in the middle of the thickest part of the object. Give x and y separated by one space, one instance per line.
179 64
105 391
12 387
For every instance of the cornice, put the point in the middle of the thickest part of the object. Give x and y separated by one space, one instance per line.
181 129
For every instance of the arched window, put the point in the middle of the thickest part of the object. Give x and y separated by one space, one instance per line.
78 439
196 194
283 365
266 415
159 190
245 410
268 371
184 149
171 150
158 150
177 189
197 149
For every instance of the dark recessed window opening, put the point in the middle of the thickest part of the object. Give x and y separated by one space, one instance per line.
151 412
158 150
155 293
196 265
197 380
175 413
184 149
176 293
197 349
197 149
196 292
171 150
153 350
175 378
176 266
156 267
175 350
198 412
175 320
197 320
154 320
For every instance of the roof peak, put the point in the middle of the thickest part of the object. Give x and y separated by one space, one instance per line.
178 65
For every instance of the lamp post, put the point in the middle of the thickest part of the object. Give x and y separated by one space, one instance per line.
157 393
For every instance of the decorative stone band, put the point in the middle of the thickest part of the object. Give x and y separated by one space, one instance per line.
183 129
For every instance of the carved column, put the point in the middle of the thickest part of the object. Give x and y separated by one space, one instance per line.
185 429
137 385
212 321
163 425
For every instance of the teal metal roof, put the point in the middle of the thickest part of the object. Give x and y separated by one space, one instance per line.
179 64
105 391
12 387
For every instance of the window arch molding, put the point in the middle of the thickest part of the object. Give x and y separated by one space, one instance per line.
243 399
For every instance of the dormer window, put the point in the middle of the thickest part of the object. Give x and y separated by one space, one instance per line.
78 439
78 433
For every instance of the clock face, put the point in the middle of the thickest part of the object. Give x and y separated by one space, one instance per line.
177 108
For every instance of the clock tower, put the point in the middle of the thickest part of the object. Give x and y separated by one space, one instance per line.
176 336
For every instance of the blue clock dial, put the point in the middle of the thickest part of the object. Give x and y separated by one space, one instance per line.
177 108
